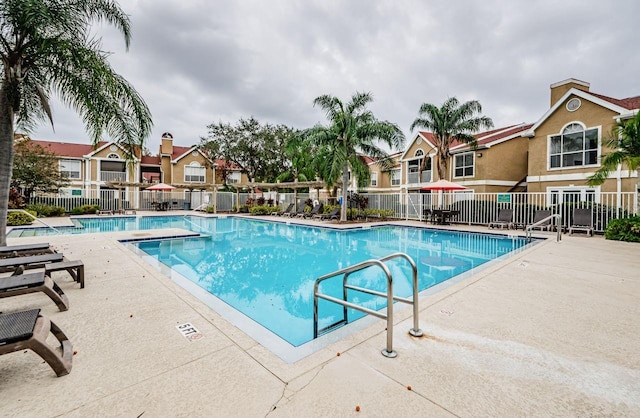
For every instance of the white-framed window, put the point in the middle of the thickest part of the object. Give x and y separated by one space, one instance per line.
374 179
572 194
70 168
113 156
575 146
234 177
414 165
395 177
463 165
194 173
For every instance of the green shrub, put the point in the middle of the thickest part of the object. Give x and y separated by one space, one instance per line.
45 210
263 210
210 209
19 218
624 229
378 213
329 208
85 210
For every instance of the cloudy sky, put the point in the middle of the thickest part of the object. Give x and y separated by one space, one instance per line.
198 62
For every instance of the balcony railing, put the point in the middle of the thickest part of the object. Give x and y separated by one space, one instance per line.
113 176
423 177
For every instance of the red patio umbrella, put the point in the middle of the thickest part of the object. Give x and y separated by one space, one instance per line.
443 185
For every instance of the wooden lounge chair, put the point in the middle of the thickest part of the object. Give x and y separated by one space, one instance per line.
538 216
31 283
582 220
334 214
29 330
28 262
505 219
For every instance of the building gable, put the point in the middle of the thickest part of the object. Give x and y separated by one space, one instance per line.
595 99
422 140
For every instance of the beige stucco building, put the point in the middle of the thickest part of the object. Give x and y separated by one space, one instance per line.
567 143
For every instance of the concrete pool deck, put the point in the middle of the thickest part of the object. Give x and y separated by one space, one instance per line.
553 331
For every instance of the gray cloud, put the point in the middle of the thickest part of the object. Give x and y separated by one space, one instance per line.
200 62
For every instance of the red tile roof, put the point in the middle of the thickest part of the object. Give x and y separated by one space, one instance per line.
494 135
68 149
368 160
429 136
222 164
150 160
629 103
151 176
178 151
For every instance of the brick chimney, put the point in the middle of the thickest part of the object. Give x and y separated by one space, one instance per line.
561 87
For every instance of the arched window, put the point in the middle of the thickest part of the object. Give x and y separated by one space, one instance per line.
575 146
419 162
194 173
113 156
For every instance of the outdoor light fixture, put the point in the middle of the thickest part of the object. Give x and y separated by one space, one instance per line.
479 154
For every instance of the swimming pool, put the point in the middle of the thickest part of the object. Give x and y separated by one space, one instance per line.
259 275
266 270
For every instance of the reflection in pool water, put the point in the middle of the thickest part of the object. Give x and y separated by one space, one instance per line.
267 270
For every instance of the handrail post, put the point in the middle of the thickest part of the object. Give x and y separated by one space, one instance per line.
388 350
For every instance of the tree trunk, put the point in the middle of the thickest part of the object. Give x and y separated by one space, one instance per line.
345 187
442 167
6 158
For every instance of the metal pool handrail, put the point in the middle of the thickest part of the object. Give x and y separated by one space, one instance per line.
558 224
388 350
37 219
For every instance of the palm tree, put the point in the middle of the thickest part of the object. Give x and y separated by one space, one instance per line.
450 122
625 139
352 131
300 159
45 47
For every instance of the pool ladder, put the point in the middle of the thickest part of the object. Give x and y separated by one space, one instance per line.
388 350
556 221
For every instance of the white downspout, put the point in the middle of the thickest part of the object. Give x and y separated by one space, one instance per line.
619 179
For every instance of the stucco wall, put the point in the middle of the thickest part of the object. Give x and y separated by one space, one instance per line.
589 114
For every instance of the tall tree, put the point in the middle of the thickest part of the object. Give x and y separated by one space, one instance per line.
36 168
46 47
625 140
352 131
448 123
255 148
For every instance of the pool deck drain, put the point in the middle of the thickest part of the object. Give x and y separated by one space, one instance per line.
550 332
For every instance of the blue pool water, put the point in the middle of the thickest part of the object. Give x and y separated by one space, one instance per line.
110 224
267 270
